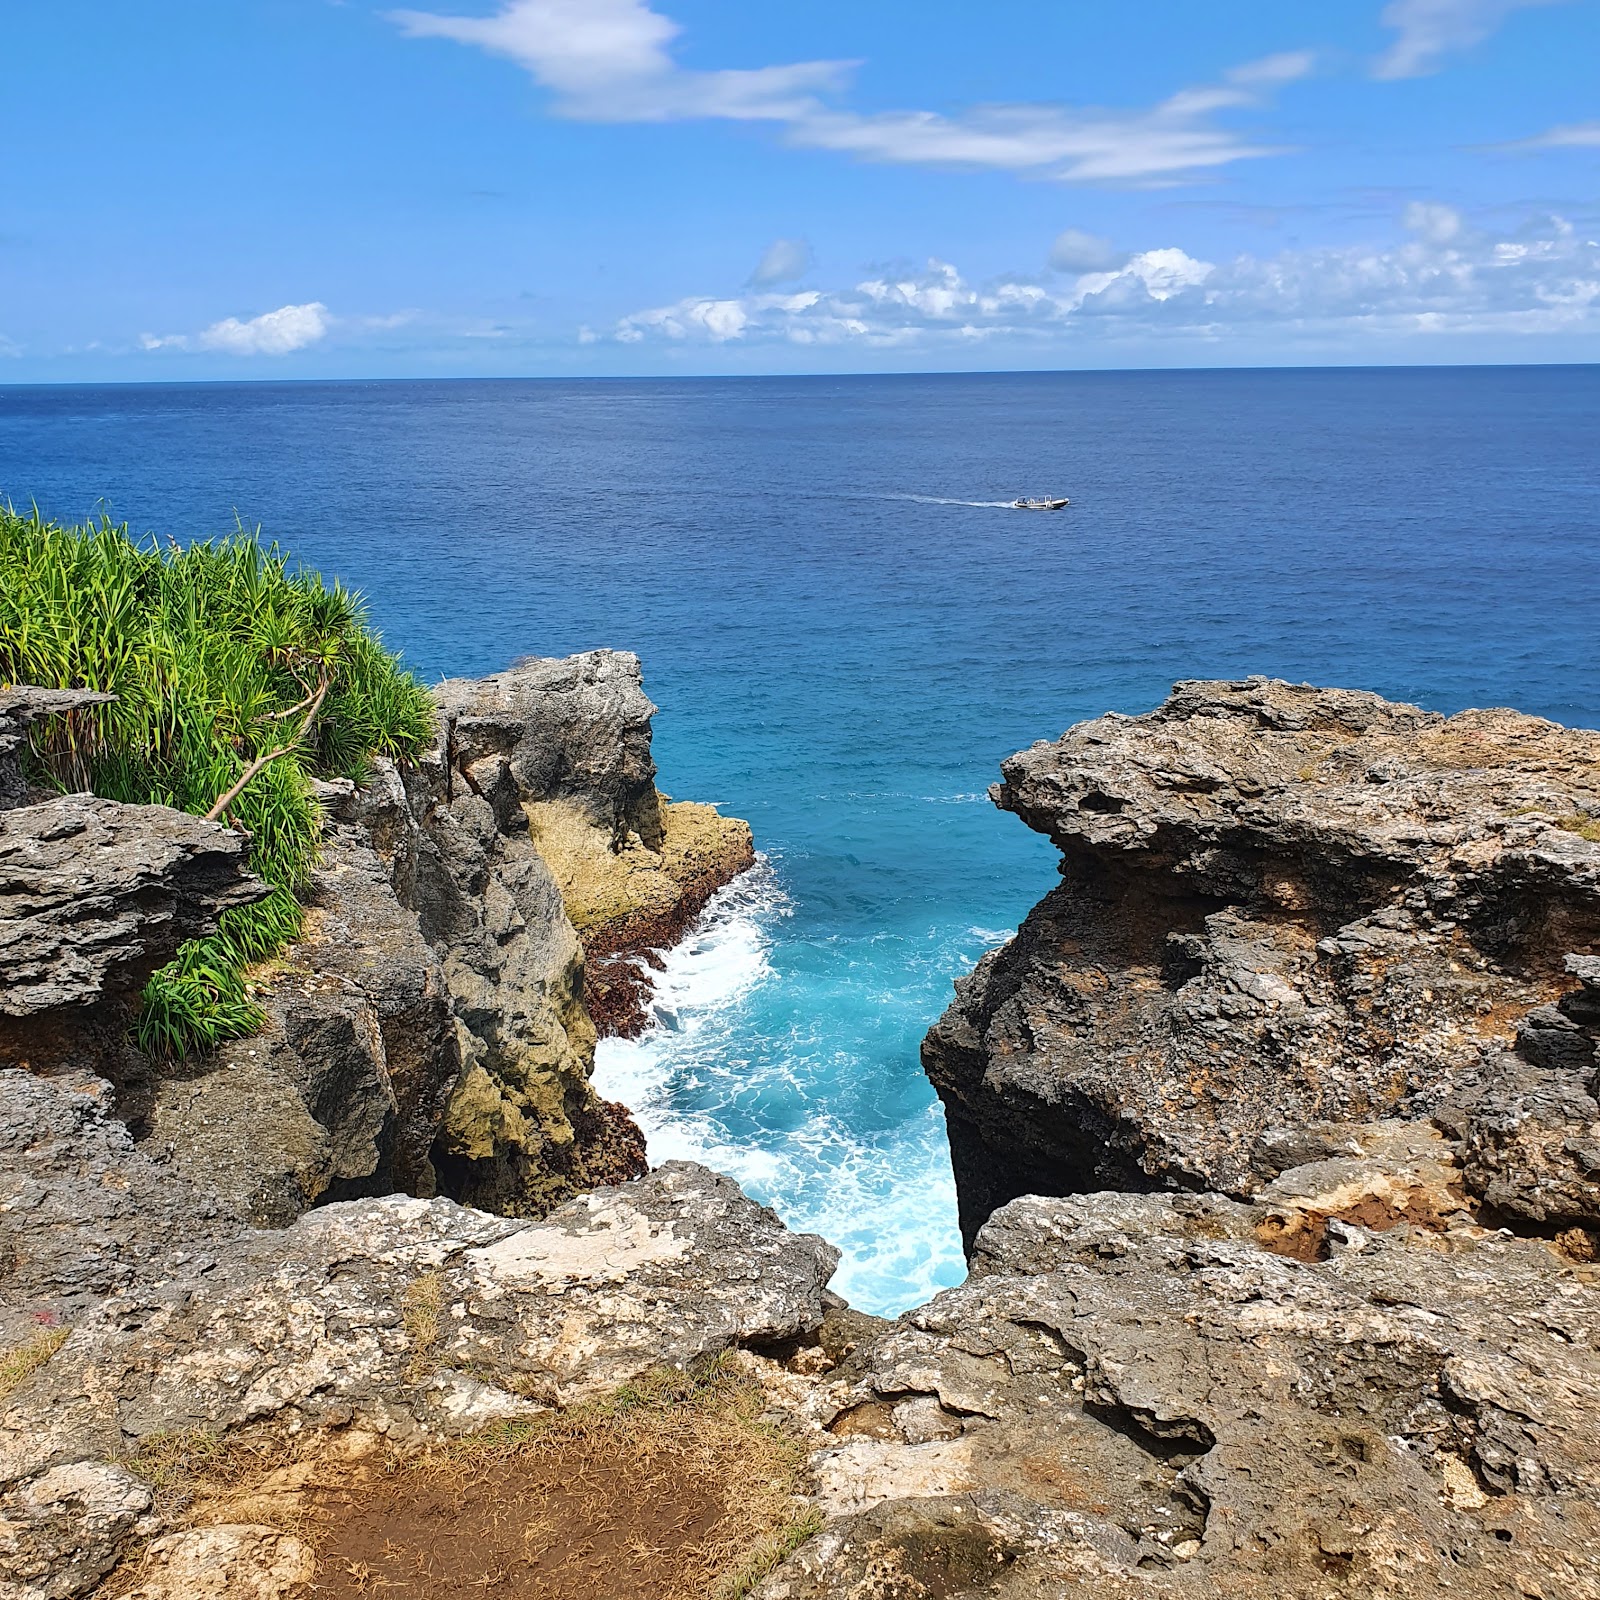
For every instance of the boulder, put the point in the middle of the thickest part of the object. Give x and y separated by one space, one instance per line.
94 896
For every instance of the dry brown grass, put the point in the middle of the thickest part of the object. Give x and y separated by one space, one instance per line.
424 1301
20 1364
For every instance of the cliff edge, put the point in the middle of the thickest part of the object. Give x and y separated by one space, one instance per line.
1286 911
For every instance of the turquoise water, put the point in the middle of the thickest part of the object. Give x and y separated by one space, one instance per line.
846 635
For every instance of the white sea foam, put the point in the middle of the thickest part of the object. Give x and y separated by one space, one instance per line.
734 1073
941 500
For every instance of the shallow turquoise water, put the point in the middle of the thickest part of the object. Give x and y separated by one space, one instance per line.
845 640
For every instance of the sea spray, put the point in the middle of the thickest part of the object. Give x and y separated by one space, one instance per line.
735 1072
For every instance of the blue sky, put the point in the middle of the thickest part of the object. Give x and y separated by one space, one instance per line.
300 188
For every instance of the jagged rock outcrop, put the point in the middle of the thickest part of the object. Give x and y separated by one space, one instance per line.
429 1032
1342 1386
568 743
94 896
1284 911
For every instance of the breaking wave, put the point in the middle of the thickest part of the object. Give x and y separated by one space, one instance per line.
736 1072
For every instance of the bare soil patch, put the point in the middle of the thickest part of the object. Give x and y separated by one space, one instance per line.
672 1489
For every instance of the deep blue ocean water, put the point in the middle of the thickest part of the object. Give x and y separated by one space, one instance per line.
845 637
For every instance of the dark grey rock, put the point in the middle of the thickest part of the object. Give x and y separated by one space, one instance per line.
84 1213
94 896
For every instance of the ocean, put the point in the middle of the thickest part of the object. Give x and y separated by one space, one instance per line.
846 629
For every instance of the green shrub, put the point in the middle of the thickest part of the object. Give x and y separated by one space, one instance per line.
219 654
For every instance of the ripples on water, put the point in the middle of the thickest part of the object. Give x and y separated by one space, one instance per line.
846 635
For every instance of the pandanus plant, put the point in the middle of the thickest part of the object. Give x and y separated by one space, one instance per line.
237 679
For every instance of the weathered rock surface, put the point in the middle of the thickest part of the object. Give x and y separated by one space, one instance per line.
84 1212
409 1317
1285 910
63 1530
94 896
1342 1386
18 708
568 742
224 1561
429 1032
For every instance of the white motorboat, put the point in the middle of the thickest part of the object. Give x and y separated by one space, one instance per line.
1030 504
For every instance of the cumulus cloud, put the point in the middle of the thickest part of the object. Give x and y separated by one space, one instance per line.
273 333
1077 251
1429 30
1572 136
1444 277
611 61
1438 224
783 261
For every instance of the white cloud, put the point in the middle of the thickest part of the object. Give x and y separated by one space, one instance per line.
1444 278
783 261
610 61
1431 29
1573 136
1438 224
273 333
1077 251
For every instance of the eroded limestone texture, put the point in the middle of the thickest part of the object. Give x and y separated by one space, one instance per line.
1283 910
1341 1387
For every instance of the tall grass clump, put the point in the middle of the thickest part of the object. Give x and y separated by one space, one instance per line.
238 677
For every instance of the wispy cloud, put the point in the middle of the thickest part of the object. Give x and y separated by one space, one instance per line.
782 261
611 61
273 333
1572 136
1171 140
608 61
1442 277
1429 30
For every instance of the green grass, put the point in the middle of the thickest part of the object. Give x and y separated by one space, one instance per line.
215 653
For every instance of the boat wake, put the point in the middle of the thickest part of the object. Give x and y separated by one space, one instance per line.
736 1072
940 500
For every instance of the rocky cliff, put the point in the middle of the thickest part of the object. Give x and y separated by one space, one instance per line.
1277 1142
429 1031
1285 912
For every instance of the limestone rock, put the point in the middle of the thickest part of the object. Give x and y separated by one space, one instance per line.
83 1211
568 743
343 1090
64 1529
94 896
422 1316
1530 1124
428 1033
224 1561
1166 1395
1284 909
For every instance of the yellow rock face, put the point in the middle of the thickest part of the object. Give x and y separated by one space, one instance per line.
618 895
